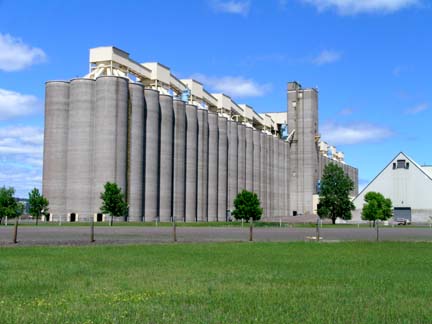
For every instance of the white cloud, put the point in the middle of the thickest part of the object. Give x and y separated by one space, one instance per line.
327 57
235 86
21 150
233 7
417 109
26 140
352 7
16 55
14 104
355 133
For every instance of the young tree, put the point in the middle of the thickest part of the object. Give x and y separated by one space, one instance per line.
38 204
247 205
376 207
334 195
113 201
9 205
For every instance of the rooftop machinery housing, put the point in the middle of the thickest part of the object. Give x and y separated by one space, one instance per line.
176 150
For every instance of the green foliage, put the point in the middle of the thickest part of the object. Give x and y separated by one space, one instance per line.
9 206
376 207
334 196
113 201
38 204
247 205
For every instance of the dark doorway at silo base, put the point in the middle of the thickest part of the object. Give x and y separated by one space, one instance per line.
99 217
72 217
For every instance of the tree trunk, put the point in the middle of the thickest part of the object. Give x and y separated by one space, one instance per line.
333 220
37 218
111 221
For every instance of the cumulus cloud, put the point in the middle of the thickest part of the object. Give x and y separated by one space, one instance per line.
352 7
14 104
355 133
235 86
327 57
26 140
233 7
417 109
16 55
21 150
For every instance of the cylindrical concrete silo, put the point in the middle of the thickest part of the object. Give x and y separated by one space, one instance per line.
249 158
202 165
256 162
136 152
166 158
222 168
179 160
80 149
232 163
191 163
55 147
270 167
263 173
285 183
282 207
213 167
275 178
110 135
151 164
241 157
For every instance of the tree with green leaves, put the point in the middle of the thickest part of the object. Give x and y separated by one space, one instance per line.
9 206
247 205
38 204
376 207
113 201
335 194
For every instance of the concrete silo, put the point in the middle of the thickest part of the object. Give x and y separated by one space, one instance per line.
275 178
281 179
136 152
80 150
202 165
110 136
263 172
241 157
166 158
55 146
213 167
151 165
179 160
232 162
222 168
191 163
249 158
270 167
256 162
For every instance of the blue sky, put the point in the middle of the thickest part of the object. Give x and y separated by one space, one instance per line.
370 60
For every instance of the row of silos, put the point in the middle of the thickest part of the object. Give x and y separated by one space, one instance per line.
171 159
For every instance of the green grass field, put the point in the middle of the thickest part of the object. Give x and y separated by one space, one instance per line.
218 283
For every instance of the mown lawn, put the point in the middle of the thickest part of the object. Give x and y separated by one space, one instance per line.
218 283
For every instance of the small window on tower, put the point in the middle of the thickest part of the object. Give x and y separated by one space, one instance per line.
400 164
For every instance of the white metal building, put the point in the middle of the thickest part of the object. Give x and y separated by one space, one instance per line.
407 184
